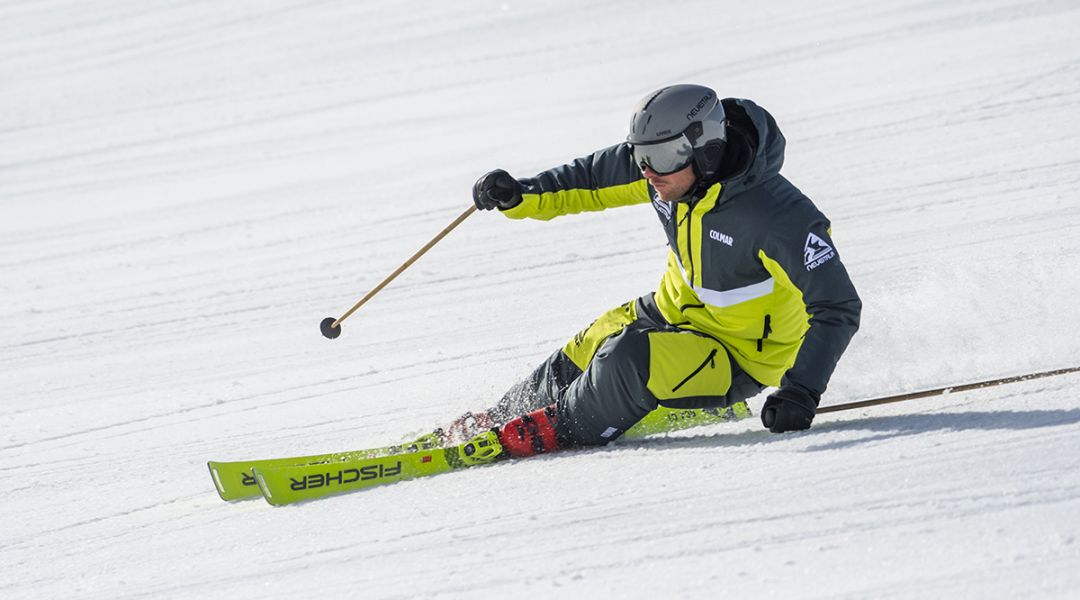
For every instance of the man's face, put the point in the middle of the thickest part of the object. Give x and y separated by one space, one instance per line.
672 186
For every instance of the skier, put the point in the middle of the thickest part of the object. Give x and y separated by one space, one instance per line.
754 294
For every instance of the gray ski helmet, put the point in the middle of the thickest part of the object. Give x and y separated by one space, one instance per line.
679 125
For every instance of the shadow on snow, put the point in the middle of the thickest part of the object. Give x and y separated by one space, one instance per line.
881 428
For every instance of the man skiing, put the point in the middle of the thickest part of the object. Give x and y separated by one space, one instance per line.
754 294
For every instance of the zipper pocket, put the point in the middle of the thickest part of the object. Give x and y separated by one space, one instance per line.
710 360
765 331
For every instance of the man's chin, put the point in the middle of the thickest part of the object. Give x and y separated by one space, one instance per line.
668 197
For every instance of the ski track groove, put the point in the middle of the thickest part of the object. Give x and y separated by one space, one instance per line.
261 402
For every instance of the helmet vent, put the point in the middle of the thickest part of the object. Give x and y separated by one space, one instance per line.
654 96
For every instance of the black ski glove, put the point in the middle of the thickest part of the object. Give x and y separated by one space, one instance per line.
498 190
788 409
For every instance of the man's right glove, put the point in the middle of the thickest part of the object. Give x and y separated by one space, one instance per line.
788 409
498 190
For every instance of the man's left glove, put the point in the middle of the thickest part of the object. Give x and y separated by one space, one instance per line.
788 409
497 189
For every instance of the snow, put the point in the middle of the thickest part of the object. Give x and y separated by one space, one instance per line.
188 188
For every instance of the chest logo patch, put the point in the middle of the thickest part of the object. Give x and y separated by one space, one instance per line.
816 252
723 238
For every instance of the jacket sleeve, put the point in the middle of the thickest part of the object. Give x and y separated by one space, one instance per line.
604 179
803 245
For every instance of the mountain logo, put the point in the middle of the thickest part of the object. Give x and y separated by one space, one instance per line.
816 252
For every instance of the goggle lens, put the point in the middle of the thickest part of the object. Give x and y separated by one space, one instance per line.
666 157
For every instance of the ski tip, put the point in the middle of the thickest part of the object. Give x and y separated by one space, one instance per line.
267 493
217 480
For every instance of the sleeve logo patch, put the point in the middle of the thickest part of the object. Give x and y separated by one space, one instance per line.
664 208
816 252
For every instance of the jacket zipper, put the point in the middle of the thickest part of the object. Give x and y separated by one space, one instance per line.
765 331
709 360
689 242
675 222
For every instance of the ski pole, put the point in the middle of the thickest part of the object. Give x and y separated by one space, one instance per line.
945 390
331 327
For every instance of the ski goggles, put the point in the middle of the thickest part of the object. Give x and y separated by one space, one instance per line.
664 157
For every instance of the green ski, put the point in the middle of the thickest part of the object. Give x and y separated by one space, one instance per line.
283 482
288 484
235 481
667 420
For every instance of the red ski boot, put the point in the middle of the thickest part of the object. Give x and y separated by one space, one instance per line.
531 434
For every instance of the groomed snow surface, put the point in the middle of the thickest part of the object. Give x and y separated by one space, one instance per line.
188 188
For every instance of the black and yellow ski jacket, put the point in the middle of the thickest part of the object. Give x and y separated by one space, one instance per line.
752 262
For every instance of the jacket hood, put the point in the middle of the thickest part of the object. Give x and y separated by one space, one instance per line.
755 146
